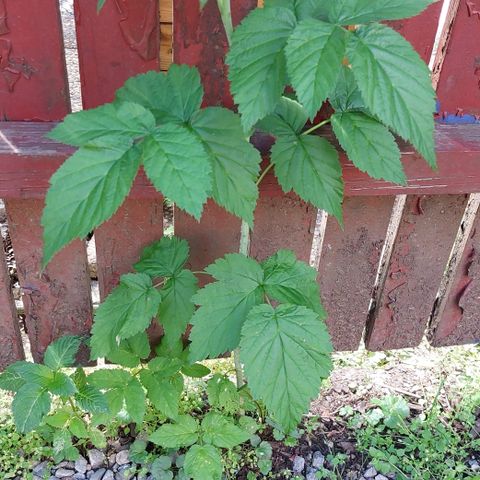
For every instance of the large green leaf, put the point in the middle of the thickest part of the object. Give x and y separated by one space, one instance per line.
87 190
125 119
309 165
12 379
164 393
182 433
286 354
395 85
220 431
164 258
314 58
29 406
62 352
288 280
61 385
91 399
369 145
257 61
127 311
178 165
235 162
224 306
349 12
203 462
135 404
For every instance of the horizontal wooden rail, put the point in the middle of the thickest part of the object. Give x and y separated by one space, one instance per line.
28 159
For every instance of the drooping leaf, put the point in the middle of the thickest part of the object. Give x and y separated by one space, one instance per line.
350 12
346 95
369 145
135 404
289 117
131 351
314 54
78 428
197 370
203 462
11 379
62 352
87 190
224 306
164 393
288 280
223 394
290 347
178 166
63 448
126 119
61 385
395 85
309 165
182 433
257 61
235 162
164 258
127 311
165 366
59 419
218 430
30 405
35 373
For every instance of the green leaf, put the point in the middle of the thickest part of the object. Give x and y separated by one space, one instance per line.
309 165
78 428
100 5
125 119
197 370
314 58
349 12
87 190
59 419
91 399
35 373
131 351
61 385
182 433
134 397
289 117
173 96
164 393
288 280
346 96
221 432
29 406
63 448
235 162
165 258
369 145
178 166
395 85
223 394
107 379
224 305
203 462
177 306
12 379
127 311
257 62
62 352
290 346
165 366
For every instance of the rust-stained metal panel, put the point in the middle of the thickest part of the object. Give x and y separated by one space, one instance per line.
114 45
33 82
58 300
11 348
425 238
348 266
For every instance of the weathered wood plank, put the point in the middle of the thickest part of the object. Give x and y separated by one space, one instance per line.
33 82
58 300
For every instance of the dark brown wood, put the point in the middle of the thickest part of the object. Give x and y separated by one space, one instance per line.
58 300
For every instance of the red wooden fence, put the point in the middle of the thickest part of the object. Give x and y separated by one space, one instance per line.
133 36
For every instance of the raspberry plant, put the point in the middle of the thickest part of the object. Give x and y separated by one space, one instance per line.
269 312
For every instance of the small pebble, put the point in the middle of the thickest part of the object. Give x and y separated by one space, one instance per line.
81 465
123 457
370 473
64 473
79 476
318 460
109 475
380 477
298 464
98 475
96 458
40 469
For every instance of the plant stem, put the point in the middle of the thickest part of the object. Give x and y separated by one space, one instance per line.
316 127
264 173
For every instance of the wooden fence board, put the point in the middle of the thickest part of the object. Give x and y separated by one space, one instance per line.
425 238
33 83
58 300
348 266
11 348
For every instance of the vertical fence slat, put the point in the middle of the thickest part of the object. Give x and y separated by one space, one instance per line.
424 240
11 348
348 266
58 300
33 84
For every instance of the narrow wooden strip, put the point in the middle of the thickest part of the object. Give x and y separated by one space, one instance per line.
348 266
422 247
33 82
166 47
11 348
58 300
121 41
166 11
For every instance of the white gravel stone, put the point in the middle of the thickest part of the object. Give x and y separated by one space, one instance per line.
64 473
123 457
370 473
96 458
298 464
81 465
318 460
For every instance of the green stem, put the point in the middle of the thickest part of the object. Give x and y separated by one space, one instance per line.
264 173
316 127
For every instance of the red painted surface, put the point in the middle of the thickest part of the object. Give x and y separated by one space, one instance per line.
11 348
424 241
459 86
348 266
33 83
121 41
58 300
